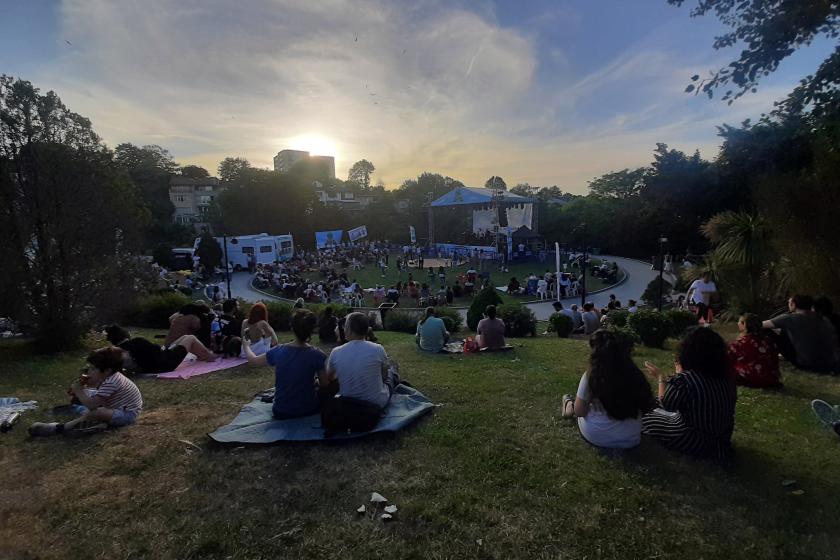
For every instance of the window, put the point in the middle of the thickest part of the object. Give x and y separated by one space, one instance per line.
248 250
347 196
285 244
179 198
205 199
266 248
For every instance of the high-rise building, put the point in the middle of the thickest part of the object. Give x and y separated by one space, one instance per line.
286 159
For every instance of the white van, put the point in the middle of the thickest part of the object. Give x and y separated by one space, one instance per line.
266 248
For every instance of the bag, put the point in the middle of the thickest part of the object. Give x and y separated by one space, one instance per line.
342 414
470 345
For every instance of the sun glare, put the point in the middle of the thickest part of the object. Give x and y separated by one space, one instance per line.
315 144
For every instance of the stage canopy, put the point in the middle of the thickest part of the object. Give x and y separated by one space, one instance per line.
477 195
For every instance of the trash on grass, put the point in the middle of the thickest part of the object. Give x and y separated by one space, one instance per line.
391 509
377 498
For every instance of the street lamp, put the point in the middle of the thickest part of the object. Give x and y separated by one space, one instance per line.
582 227
662 241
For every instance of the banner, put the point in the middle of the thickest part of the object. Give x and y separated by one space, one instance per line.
328 239
413 233
357 233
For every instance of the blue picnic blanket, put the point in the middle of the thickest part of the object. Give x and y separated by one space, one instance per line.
255 423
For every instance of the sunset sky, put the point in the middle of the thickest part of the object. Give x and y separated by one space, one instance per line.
548 92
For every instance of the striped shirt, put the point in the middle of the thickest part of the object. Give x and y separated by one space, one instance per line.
119 392
704 419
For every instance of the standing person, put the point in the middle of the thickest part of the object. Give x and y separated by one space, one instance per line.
327 326
808 340
490 332
431 334
754 355
700 293
612 395
697 404
431 276
442 277
296 367
106 394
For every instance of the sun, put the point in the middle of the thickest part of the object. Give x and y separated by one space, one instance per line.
315 144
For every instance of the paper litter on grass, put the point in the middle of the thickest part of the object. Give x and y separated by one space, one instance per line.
377 498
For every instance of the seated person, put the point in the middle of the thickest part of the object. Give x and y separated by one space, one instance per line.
188 320
591 320
457 291
697 413
360 367
108 396
490 332
612 395
513 287
431 335
808 340
327 326
143 356
754 355
256 328
297 366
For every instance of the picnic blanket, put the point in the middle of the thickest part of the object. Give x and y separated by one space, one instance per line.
255 423
9 405
192 367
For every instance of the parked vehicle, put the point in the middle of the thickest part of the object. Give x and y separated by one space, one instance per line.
265 248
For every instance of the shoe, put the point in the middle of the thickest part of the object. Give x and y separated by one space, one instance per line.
43 429
85 428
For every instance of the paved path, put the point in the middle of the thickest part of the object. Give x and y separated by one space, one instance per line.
240 286
639 276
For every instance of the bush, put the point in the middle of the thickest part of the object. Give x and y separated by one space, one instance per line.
681 320
561 324
651 293
451 318
154 311
401 321
519 320
487 296
625 335
617 318
651 326
339 309
279 315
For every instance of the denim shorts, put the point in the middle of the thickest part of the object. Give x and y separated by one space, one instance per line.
123 417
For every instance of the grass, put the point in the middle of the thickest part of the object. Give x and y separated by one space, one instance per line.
369 276
494 472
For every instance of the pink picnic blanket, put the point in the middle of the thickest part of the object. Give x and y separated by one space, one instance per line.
191 367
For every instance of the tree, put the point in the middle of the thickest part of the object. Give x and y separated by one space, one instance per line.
360 173
523 189
495 183
69 218
769 33
194 172
209 252
620 184
232 168
150 168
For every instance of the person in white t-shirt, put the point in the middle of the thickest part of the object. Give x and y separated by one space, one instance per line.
700 294
612 395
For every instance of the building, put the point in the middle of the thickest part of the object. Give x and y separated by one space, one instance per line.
348 200
192 198
286 159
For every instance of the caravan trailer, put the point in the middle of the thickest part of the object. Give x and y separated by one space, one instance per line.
267 249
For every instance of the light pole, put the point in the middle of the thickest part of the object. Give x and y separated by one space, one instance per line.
227 264
583 268
662 241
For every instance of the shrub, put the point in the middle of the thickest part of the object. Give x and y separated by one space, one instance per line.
339 309
617 318
519 320
624 334
279 315
681 320
651 326
153 311
451 318
487 296
561 324
401 321
651 293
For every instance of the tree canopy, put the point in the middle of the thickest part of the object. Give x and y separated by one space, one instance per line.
360 173
194 172
495 183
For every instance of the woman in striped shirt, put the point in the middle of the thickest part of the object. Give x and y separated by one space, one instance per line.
109 397
697 405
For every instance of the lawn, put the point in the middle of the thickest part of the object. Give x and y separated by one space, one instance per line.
494 472
370 275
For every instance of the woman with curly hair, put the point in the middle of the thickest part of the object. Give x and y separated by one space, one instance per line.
697 404
612 395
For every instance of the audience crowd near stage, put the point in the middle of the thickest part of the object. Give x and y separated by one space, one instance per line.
692 410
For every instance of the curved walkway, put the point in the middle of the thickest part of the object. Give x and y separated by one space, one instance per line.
639 276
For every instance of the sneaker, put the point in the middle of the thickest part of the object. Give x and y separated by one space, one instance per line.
826 413
43 429
85 428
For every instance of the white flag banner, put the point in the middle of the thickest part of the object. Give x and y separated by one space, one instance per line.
357 233
413 233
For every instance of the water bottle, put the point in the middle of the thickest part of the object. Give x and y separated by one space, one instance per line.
7 424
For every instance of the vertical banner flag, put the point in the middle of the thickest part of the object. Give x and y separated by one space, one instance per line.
328 239
357 233
413 233
509 236
557 263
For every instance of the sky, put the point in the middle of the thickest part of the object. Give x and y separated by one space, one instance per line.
548 92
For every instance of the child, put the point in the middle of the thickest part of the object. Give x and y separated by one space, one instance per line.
115 401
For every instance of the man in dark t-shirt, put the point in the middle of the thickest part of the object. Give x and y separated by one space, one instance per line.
808 340
145 356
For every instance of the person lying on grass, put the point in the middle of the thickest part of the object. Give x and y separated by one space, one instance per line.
297 366
697 404
109 397
612 395
143 356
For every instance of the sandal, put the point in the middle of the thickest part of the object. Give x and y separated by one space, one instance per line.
568 400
